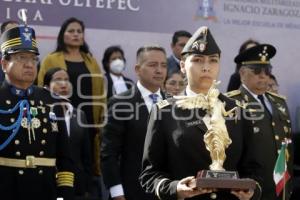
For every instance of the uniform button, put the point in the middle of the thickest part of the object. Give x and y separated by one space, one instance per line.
45 130
12 120
21 172
213 195
17 142
8 102
41 172
43 142
276 137
45 120
273 123
41 153
18 153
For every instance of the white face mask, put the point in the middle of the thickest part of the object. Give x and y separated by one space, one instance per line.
117 66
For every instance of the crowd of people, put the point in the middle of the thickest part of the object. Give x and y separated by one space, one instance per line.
70 130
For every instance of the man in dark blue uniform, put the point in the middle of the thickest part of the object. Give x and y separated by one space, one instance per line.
34 150
175 145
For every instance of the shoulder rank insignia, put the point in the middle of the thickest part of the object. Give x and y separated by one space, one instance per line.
241 104
162 104
232 93
277 95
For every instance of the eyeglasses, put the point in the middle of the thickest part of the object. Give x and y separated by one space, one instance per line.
258 70
25 59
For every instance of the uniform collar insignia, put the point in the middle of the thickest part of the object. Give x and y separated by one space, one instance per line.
21 92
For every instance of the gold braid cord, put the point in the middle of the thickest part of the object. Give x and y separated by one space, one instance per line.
216 138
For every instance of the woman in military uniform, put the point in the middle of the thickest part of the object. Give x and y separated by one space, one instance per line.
180 132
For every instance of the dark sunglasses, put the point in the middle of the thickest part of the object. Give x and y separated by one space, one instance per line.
258 70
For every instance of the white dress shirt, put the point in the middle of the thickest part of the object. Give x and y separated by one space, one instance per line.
68 116
255 96
145 95
119 84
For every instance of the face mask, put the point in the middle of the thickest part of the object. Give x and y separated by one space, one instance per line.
117 66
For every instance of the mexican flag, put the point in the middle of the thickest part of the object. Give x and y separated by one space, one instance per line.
280 174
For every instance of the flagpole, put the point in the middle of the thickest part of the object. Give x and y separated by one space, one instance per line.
286 142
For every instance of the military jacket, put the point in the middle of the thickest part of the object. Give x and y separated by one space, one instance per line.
268 132
175 149
37 145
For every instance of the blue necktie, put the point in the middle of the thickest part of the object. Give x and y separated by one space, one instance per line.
154 97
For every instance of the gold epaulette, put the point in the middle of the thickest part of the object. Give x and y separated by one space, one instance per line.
277 95
232 93
162 104
65 179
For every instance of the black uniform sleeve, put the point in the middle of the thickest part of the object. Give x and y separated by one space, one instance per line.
64 163
86 153
250 168
112 141
154 177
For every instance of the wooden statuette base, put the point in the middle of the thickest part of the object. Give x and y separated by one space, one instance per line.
222 180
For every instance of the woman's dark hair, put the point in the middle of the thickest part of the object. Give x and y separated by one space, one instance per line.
171 73
49 75
243 47
61 46
108 52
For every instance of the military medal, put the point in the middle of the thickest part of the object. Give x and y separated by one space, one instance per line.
26 124
35 122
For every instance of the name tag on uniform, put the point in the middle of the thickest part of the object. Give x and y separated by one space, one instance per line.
193 123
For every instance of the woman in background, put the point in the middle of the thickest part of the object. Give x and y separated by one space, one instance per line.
174 84
114 64
57 81
72 54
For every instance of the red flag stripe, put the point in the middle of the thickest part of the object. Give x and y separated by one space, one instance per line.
282 182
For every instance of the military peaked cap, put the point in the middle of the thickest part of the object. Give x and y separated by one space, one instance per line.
202 42
17 39
259 55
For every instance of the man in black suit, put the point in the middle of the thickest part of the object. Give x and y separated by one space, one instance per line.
58 82
124 133
268 112
179 39
181 129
